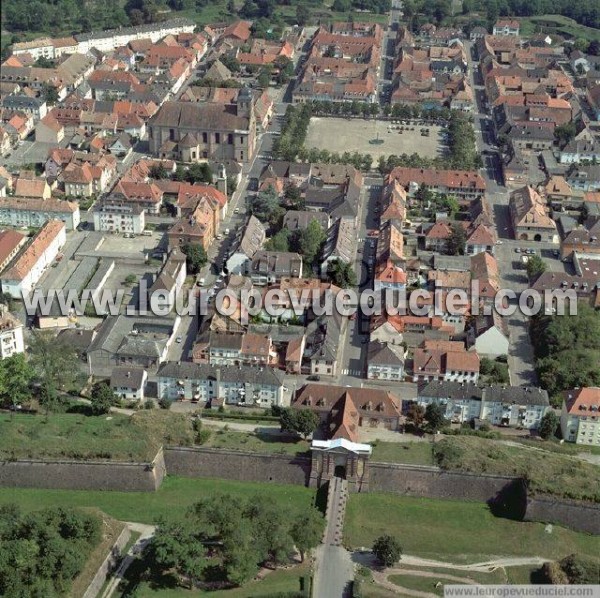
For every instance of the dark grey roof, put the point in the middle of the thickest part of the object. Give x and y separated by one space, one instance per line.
515 394
450 390
77 338
203 371
385 354
127 377
24 102
220 340
146 28
281 263
300 219
323 337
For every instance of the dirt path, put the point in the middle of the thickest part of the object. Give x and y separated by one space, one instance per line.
483 567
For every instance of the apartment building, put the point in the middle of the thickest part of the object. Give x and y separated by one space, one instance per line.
580 416
11 334
119 217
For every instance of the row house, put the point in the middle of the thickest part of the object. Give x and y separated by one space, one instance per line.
385 361
464 184
211 384
23 273
513 406
251 241
445 360
34 212
267 267
11 242
580 416
583 240
146 195
234 349
169 281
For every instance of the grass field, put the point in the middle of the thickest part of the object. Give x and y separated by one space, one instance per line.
414 453
563 26
546 471
73 436
455 531
257 443
353 135
174 496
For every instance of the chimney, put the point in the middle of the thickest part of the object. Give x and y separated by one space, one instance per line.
129 374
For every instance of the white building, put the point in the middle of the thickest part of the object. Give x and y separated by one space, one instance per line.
462 401
385 361
27 268
580 417
11 334
242 385
129 382
34 212
121 217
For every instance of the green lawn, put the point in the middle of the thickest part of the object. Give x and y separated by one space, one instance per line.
175 495
421 584
255 442
75 436
455 531
547 472
414 453
563 26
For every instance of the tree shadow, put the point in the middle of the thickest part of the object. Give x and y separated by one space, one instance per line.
510 502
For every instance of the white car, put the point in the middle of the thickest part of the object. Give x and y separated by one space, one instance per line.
179 339
236 211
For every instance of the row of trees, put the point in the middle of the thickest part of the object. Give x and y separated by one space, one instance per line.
227 538
566 349
293 133
51 370
43 551
463 152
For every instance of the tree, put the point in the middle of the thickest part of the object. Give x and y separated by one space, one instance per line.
302 15
265 206
15 379
457 240
549 425
565 133
594 48
415 414
310 240
280 241
196 257
55 367
387 549
102 399
50 94
341 274
535 267
199 173
264 78
176 545
300 421
435 416
158 171
307 530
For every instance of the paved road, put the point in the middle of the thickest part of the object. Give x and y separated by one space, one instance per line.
334 567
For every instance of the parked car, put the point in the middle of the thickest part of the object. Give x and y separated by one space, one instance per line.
314 378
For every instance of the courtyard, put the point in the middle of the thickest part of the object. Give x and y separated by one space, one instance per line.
354 134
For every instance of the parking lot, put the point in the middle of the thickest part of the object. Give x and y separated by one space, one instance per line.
354 134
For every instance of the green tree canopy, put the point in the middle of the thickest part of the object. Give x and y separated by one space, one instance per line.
16 376
435 414
387 549
535 267
549 425
102 399
196 257
299 421
341 274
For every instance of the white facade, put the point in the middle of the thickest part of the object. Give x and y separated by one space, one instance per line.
458 411
492 343
385 372
34 262
11 335
124 218
511 414
34 213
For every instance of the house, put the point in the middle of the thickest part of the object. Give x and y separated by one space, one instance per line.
129 383
585 177
11 334
437 236
30 212
300 219
583 240
581 149
465 184
117 216
388 275
11 242
22 274
580 416
234 349
169 281
237 33
199 228
385 361
516 406
461 400
191 132
146 195
35 106
484 270
141 341
445 360
30 186
204 383
339 243
251 241
529 216
506 27
267 267
343 411
593 98
386 329
121 146
488 336
322 344
49 130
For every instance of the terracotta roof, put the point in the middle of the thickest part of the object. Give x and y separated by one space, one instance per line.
24 262
239 30
9 241
30 188
453 179
584 402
